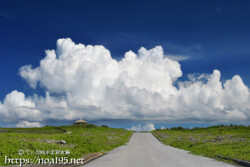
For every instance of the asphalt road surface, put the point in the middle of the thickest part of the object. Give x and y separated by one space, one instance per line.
144 150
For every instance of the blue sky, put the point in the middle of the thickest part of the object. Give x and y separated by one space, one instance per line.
212 34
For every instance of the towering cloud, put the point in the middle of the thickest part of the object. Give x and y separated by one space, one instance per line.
87 82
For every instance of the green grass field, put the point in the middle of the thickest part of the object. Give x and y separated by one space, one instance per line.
232 142
80 140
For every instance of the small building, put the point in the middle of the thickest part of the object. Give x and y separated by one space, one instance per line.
80 122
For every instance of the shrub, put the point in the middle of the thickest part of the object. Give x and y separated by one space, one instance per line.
105 126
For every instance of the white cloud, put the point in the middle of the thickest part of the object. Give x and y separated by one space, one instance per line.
26 124
17 107
86 82
147 127
178 57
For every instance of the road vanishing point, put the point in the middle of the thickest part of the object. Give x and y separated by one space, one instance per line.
144 150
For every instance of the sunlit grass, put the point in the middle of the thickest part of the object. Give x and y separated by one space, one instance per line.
232 142
81 140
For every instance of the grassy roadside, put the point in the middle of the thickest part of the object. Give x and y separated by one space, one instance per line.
80 141
232 142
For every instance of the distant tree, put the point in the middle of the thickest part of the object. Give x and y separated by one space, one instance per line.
177 128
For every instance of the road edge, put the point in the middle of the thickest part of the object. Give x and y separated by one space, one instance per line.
156 137
237 161
102 154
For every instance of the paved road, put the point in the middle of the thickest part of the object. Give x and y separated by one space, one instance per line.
144 150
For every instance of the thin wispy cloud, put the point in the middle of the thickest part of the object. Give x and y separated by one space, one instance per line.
177 49
178 57
4 15
218 9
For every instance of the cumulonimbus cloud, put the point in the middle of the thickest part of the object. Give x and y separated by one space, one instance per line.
86 82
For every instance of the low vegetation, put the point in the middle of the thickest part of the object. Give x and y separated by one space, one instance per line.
219 142
79 140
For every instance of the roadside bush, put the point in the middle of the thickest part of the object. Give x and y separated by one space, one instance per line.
177 128
104 126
